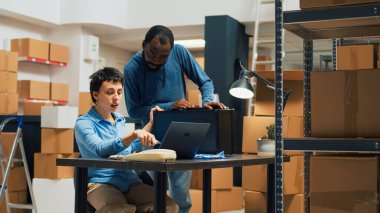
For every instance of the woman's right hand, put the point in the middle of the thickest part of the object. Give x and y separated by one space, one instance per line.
146 138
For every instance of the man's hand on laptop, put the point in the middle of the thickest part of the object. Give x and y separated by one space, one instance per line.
146 138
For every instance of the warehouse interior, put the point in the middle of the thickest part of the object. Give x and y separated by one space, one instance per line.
317 63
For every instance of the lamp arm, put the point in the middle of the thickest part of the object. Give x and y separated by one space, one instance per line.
263 80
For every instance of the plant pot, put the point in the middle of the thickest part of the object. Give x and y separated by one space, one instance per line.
266 147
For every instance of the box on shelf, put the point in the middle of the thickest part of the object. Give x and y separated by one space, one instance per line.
344 184
8 82
85 103
355 57
197 200
45 166
264 97
61 117
33 89
306 4
58 141
254 127
59 91
256 202
345 104
221 178
8 103
58 53
16 179
8 61
255 177
28 47
19 197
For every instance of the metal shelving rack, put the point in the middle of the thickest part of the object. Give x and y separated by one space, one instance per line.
326 23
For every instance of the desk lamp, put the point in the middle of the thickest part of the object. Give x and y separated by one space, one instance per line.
243 89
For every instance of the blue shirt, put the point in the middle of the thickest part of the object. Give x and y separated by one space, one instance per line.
145 88
98 138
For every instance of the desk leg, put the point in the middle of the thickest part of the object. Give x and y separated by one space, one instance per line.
160 182
206 191
270 188
81 190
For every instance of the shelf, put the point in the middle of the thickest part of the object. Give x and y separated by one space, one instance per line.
337 22
27 100
42 61
368 145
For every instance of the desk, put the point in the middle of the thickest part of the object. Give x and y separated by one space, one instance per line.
161 168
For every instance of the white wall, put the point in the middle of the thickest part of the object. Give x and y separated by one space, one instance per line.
110 12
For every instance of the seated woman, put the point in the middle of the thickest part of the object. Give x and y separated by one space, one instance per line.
102 132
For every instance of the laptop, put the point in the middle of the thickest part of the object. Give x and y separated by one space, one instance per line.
185 138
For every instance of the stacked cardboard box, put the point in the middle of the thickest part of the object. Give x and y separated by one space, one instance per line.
8 82
356 57
57 141
344 184
224 196
38 49
85 103
254 178
345 104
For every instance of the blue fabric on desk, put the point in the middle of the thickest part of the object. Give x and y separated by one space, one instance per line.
220 155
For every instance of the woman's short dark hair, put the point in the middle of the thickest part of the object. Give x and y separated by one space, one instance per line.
105 74
165 35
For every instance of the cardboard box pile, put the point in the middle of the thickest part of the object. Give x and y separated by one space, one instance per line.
57 141
34 48
8 82
224 196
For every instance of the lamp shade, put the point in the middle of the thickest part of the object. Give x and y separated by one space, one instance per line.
241 89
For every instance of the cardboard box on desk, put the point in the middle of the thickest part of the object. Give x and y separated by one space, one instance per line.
220 135
8 61
355 57
256 202
344 184
16 179
254 127
45 166
59 141
85 103
306 4
34 89
28 47
264 97
61 117
254 178
8 81
221 178
58 53
345 104
8 103
59 91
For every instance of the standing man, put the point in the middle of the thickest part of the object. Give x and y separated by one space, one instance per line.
155 77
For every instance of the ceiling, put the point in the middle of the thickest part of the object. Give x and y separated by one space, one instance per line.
131 40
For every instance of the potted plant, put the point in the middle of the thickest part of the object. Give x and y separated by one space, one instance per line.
266 144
